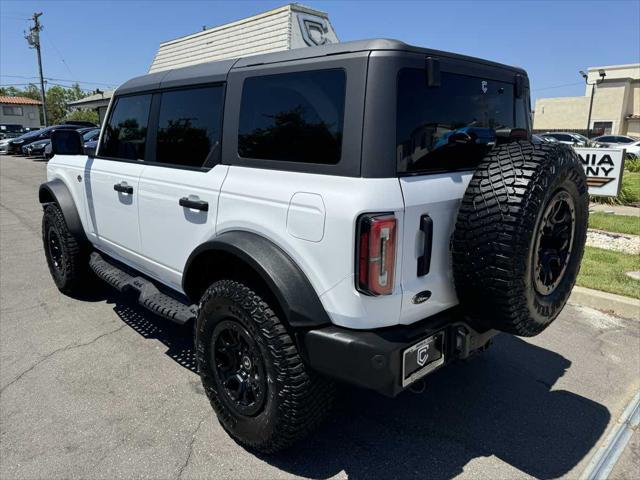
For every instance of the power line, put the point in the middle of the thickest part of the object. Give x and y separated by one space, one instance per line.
557 86
59 80
59 54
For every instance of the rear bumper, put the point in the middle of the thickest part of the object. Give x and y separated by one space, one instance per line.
373 358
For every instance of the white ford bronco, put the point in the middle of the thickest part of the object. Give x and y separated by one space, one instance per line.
364 212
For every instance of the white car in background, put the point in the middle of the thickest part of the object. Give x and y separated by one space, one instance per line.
568 138
630 144
4 145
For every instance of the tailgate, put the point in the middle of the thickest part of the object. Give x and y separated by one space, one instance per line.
438 197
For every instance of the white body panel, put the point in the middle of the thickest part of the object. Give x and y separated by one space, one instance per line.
168 231
258 200
113 216
439 197
311 217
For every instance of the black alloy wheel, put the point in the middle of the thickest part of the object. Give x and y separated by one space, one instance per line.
55 249
554 242
238 367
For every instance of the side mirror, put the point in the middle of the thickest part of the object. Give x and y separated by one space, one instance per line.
66 142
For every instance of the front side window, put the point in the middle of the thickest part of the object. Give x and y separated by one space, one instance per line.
125 134
189 126
452 126
295 117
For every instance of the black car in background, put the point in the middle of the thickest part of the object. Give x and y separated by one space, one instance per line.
12 130
15 146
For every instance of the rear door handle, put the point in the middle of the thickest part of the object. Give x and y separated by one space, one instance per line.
424 261
122 187
194 203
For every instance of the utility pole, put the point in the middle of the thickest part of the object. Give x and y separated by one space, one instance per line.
34 42
602 74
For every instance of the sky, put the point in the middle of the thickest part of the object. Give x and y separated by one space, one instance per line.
101 44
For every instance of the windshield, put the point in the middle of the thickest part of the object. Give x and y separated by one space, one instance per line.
90 134
453 126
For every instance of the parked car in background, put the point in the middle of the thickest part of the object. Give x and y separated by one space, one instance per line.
36 149
4 145
16 144
11 130
569 138
541 139
630 144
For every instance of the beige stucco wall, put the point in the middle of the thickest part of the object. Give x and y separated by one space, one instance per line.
633 127
565 112
614 100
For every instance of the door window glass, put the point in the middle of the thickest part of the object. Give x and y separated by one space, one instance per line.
125 134
189 126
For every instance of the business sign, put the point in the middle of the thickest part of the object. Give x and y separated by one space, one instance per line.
603 167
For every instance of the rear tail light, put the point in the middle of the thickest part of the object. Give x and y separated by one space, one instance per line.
376 253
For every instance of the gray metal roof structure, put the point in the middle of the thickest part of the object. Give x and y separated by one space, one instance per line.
217 71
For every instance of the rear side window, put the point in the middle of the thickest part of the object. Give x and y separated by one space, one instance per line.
189 126
295 117
450 127
125 134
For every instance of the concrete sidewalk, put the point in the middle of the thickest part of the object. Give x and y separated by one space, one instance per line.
615 209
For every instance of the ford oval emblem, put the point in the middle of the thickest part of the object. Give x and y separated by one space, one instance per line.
421 297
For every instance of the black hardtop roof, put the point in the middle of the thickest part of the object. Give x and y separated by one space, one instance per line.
217 71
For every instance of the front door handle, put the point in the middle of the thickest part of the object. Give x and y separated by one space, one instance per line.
194 203
122 187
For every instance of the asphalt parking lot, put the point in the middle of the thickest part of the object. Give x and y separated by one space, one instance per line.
100 388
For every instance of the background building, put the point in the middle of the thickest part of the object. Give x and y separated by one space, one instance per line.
20 111
284 28
98 102
616 104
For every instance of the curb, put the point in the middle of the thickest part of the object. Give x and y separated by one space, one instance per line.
607 302
607 456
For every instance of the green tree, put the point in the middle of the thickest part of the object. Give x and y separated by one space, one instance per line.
83 115
57 99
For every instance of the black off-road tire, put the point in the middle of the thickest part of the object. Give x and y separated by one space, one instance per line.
68 261
494 243
297 399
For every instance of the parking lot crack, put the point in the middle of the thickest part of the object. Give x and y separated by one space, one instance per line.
46 357
193 439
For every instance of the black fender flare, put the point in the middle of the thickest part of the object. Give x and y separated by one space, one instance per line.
288 283
55 191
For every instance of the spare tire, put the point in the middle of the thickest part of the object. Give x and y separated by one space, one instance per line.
520 235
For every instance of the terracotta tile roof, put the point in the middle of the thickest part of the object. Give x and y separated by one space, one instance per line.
19 100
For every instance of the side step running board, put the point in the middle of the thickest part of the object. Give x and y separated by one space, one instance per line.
148 295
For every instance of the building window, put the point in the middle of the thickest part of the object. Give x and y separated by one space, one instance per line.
295 117
602 128
12 111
